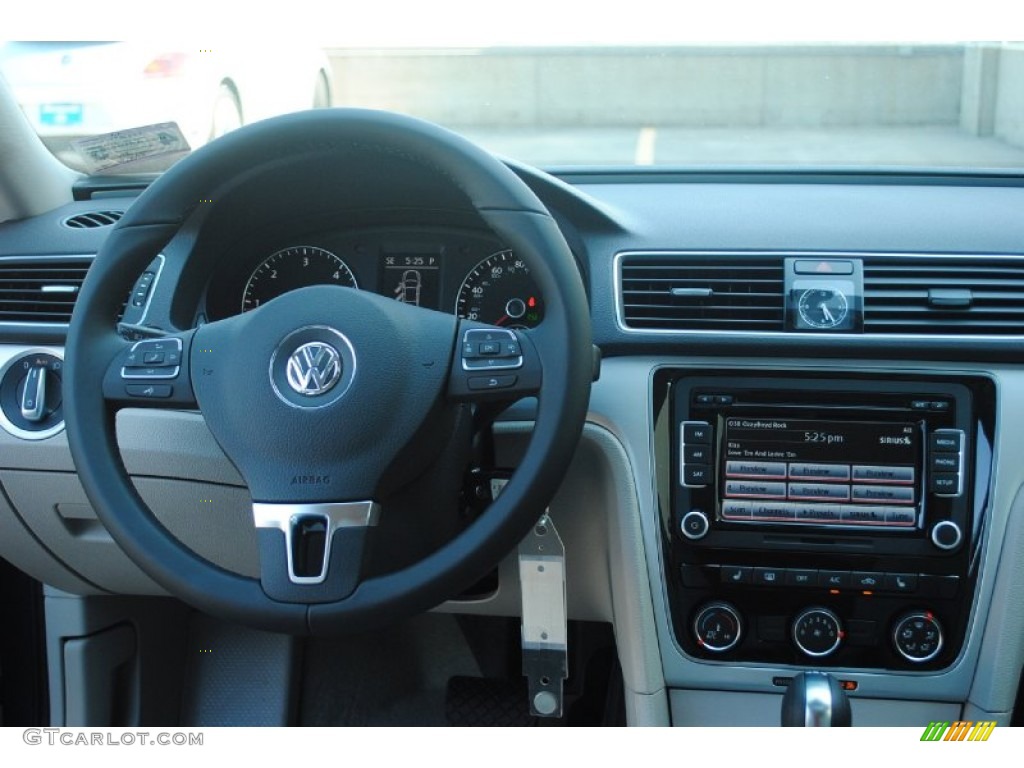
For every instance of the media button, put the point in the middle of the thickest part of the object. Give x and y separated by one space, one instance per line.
736 510
834 579
946 441
770 577
766 469
801 471
884 493
807 491
755 489
900 475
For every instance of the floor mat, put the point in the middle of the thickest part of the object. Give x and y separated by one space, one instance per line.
478 701
395 677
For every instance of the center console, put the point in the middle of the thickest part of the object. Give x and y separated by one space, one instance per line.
822 521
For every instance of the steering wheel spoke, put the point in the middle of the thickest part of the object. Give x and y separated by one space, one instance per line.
493 364
152 373
313 553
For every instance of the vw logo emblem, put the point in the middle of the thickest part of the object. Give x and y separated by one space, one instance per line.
314 368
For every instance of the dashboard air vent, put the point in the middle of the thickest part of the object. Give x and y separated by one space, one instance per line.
701 292
93 219
947 295
40 290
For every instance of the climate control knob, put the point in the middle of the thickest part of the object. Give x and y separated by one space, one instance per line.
718 627
817 632
918 637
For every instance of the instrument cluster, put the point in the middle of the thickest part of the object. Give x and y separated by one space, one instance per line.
464 273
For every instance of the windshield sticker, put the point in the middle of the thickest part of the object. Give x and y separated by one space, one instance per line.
120 148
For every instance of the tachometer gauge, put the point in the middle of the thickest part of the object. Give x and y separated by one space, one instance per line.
500 291
291 268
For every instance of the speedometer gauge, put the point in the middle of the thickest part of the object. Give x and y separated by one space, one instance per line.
500 291
296 267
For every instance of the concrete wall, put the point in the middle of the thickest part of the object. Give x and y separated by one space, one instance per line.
1009 108
694 86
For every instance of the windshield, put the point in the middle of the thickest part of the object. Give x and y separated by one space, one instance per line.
631 103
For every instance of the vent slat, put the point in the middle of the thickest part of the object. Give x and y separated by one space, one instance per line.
746 293
27 292
896 295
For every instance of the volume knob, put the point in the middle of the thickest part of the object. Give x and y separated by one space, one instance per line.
946 535
694 525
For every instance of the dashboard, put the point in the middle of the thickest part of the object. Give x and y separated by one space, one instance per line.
779 471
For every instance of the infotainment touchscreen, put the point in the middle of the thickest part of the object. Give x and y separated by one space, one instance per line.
820 472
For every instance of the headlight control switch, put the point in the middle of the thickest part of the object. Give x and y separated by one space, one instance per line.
30 395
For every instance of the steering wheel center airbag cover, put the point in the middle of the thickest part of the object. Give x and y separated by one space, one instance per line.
333 444
312 367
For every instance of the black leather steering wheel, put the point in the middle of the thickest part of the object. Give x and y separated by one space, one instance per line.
315 395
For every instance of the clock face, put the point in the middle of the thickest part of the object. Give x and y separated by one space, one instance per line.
824 307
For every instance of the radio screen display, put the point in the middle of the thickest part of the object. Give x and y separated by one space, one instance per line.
820 472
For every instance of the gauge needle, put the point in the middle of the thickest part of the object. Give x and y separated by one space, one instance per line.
504 319
824 311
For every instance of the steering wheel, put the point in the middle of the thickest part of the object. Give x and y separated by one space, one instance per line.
317 395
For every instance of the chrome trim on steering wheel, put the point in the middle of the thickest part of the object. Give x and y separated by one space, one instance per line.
284 517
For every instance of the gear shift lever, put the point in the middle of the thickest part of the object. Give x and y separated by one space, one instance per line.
815 699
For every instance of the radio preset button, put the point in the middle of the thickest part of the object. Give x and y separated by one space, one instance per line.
755 489
890 494
805 491
799 471
870 474
766 469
